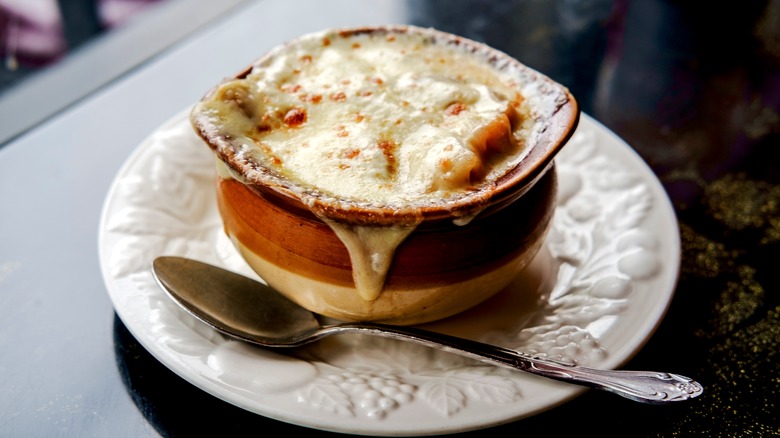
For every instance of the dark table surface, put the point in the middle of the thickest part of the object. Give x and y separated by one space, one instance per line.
696 94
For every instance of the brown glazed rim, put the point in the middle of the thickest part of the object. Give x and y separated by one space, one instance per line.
556 132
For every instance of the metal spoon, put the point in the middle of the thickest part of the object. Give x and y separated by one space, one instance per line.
245 309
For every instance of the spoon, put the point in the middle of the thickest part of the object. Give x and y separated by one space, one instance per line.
248 310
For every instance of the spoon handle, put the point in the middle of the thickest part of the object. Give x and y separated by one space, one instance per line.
642 386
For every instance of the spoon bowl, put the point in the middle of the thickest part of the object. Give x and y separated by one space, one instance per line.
250 311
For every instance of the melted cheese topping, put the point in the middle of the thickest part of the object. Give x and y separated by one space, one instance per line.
382 119
378 119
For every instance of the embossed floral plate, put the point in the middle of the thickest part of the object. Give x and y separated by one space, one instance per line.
594 295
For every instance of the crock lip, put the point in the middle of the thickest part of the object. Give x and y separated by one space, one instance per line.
560 126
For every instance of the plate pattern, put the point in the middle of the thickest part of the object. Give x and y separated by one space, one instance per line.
607 250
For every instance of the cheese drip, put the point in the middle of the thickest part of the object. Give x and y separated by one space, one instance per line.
371 252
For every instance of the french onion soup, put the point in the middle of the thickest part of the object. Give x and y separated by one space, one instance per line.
391 173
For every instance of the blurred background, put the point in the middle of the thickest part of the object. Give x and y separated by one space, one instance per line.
54 53
37 33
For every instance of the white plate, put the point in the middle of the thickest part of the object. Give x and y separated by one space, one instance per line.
594 296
